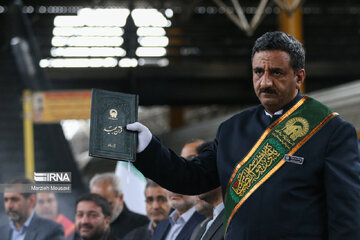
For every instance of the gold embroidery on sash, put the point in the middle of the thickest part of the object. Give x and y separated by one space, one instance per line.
250 174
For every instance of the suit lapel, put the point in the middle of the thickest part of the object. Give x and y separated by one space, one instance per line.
215 226
164 230
201 229
188 227
8 234
31 233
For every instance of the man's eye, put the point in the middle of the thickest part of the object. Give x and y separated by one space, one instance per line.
258 71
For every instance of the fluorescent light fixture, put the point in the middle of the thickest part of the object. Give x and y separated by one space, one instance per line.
78 62
87 41
150 51
68 21
150 31
153 41
94 17
149 17
104 16
162 62
87 31
87 52
128 62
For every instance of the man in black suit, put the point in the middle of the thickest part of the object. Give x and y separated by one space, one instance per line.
288 168
123 220
157 210
181 222
24 223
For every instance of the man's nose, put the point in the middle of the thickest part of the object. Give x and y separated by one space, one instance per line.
84 219
155 204
266 80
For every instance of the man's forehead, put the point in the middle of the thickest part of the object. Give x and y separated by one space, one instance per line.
88 206
273 56
12 195
45 195
155 191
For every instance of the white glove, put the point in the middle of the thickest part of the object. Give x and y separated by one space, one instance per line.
144 135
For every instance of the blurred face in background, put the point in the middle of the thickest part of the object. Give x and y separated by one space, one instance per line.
107 191
46 205
17 207
180 202
90 221
157 205
189 151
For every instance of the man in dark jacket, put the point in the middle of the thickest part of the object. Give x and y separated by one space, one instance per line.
123 220
288 168
24 223
157 210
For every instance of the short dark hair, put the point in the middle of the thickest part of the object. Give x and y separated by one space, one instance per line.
151 183
20 181
98 200
284 42
203 146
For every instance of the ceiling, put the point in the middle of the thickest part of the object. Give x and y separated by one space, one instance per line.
208 54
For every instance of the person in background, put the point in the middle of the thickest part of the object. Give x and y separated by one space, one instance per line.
157 210
24 222
181 222
92 218
189 151
47 207
123 220
212 227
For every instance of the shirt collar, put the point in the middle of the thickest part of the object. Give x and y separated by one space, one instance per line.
174 217
26 224
218 209
276 113
287 106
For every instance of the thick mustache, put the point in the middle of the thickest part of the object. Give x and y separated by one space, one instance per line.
86 225
267 90
11 211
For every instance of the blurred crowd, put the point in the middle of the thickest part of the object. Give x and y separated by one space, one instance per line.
102 214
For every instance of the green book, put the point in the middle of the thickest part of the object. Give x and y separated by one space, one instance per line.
110 113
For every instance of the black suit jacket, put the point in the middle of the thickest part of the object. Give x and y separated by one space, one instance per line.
316 200
215 231
39 229
163 228
142 233
126 222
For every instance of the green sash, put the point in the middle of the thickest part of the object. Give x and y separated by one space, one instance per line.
285 136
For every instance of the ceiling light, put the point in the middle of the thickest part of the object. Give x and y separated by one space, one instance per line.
153 41
150 51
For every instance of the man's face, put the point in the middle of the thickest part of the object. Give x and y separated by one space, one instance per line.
90 221
157 205
46 205
180 202
107 191
17 207
274 80
189 150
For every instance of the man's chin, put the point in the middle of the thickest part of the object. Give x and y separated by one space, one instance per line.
14 218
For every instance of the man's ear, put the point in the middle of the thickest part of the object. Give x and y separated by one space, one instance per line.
300 78
107 221
121 197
